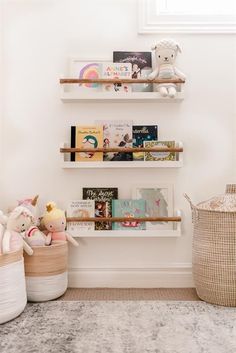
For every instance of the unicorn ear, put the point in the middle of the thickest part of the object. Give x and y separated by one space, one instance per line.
16 212
34 201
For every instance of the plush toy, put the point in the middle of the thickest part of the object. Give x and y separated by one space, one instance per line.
31 204
165 52
54 221
18 221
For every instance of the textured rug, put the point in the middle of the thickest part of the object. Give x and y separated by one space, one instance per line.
121 327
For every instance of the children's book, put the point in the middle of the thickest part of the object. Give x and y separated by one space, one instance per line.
86 70
80 208
159 156
143 133
159 203
86 137
116 71
128 208
103 204
117 133
141 67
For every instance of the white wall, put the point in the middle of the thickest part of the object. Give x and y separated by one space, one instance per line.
39 37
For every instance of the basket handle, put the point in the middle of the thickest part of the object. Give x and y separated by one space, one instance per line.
195 215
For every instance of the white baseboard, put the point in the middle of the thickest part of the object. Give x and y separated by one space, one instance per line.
171 276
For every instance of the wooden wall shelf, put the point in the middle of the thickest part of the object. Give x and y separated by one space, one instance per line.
69 95
175 232
123 219
66 163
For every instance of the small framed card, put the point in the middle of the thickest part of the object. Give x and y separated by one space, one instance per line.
159 203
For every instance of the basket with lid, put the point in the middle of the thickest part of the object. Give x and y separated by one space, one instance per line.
214 248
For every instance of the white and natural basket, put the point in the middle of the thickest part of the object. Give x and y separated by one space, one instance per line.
214 248
12 285
46 272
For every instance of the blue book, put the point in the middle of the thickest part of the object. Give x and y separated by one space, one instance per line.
131 209
142 133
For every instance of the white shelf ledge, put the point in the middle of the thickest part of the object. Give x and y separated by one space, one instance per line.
119 165
73 97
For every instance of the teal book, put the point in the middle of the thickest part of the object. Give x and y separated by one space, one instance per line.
129 209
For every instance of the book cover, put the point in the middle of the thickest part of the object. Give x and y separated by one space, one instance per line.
80 208
159 203
117 133
116 71
128 208
103 203
141 67
143 133
86 70
86 137
159 156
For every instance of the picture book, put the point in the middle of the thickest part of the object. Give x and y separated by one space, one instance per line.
86 137
159 203
80 208
103 203
143 133
116 71
159 156
117 133
141 67
128 208
86 70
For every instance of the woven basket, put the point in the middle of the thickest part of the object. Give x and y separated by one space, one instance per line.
46 272
12 286
214 248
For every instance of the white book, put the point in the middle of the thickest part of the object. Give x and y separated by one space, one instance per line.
80 208
116 71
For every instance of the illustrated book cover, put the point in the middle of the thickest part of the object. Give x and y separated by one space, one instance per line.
117 133
141 65
143 133
128 208
83 69
159 156
116 71
103 203
80 208
86 137
159 203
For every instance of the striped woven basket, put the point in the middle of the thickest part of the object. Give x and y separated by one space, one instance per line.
46 272
214 248
12 285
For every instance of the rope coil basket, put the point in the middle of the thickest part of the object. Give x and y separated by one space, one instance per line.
214 248
12 286
46 272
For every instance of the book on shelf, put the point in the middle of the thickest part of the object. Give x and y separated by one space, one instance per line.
83 69
130 209
159 203
103 203
159 156
116 71
86 137
141 63
116 133
80 208
143 133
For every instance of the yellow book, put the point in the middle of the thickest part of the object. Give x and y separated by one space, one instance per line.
89 137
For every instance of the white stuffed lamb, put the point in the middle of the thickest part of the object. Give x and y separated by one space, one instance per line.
165 52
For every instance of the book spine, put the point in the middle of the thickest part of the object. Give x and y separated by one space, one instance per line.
73 142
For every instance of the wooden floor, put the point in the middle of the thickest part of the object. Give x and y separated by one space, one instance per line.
184 294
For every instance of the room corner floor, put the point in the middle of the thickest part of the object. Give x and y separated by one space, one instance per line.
182 294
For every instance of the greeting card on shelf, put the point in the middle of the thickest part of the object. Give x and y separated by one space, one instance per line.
80 208
86 69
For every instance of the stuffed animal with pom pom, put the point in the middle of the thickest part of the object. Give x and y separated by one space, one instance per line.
54 221
165 53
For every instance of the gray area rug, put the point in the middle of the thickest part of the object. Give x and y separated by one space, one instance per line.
121 327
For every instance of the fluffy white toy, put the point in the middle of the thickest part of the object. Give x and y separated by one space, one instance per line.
165 52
